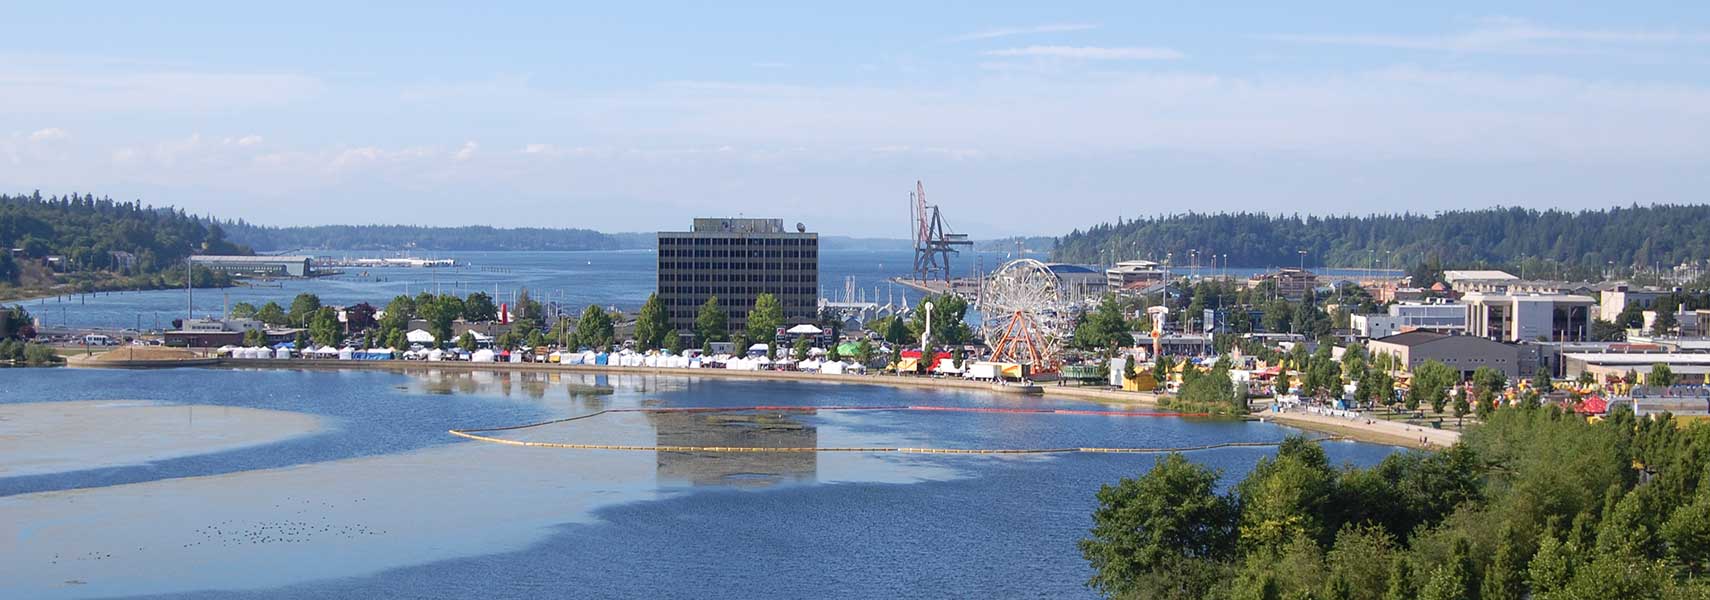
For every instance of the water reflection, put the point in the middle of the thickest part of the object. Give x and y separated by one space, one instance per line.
735 429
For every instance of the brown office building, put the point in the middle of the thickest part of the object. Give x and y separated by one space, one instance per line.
736 260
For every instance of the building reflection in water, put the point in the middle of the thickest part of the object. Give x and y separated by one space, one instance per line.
533 384
735 429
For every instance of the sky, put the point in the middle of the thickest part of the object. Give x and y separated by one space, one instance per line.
1020 118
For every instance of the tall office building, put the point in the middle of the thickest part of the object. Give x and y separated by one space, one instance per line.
736 260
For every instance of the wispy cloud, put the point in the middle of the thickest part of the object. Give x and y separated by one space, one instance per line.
1510 36
1003 32
48 135
1089 53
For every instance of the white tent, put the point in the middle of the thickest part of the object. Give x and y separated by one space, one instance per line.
804 329
436 354
346 354
419 336
482 355
832 368
282 352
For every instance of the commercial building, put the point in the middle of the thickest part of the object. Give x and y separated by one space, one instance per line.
737 260
1688 369
1456 279
213 333
1615 298
1134 274
266 266
1292 284
1462 353
1530 317
1078 282
1441 318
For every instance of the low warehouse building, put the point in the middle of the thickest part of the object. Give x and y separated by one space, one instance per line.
1688 369
1464 353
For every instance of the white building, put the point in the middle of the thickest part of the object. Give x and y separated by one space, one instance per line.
1614 299
1456 278
1413 316
1529 317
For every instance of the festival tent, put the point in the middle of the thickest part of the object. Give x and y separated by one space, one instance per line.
804 329
602 359
1592 405
225 350
760 348
848 348
482 355
832 368
419 336
436 354
346 354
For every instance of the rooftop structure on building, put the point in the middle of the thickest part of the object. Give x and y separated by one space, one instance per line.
272 266
737 259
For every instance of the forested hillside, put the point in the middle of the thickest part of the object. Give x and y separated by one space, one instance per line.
406 237
1638 237
91 243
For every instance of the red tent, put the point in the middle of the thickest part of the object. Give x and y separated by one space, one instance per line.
1592 405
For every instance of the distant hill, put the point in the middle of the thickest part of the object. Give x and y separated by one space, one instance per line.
408 237
81 243
1638 237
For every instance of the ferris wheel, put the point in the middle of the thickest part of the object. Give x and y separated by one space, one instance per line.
1026 317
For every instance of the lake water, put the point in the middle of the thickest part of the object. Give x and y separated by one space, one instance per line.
574 279
386 504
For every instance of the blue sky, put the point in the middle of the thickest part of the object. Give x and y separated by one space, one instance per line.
1022 118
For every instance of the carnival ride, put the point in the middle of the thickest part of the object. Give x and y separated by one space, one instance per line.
1027 317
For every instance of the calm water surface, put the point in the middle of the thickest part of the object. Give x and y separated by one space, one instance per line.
681 526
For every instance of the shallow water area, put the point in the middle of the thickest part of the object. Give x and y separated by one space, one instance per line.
388 504
57 437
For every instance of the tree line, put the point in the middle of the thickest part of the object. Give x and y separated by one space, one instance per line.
1537 502
101 243
1635 237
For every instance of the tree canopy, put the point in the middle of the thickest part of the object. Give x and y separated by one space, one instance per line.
1635 236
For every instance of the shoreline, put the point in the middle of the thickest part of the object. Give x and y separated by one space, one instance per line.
1377 433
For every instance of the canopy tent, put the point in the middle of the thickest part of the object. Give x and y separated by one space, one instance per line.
804 329
1592 405
848 348
482 355
419 336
